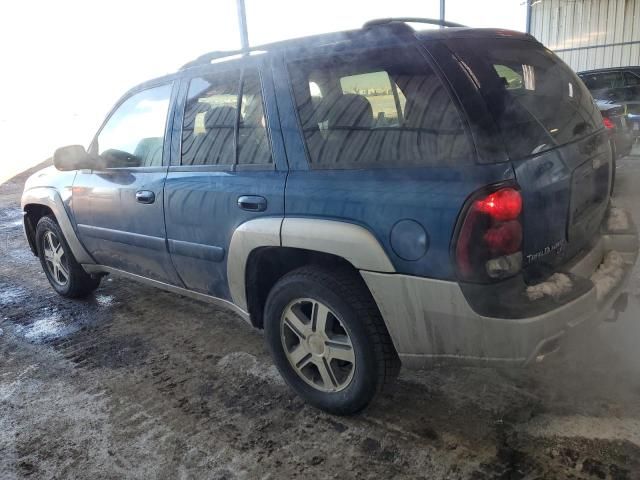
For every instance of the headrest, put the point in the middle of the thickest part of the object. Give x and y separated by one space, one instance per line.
220 117
350 110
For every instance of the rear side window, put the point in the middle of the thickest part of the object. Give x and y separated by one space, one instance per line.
536 100
381 109
210 119
224 122
253 144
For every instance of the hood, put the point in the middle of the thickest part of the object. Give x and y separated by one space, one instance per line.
50 177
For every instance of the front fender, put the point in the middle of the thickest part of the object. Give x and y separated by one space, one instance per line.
51 198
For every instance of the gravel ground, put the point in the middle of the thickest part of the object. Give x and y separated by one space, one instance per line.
138 383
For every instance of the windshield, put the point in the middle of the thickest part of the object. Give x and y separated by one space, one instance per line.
537 102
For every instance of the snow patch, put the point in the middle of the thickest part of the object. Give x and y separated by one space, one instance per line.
11 214
104 300
618 220
555 286
245 362
46 328
609 274
8 295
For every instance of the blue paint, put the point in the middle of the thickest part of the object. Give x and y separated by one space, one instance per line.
409 240
183 236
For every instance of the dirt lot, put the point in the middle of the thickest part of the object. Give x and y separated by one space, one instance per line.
138 383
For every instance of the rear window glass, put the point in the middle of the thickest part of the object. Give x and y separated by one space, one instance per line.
536 100
382 109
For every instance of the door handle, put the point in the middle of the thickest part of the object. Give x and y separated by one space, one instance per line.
252 203
145 196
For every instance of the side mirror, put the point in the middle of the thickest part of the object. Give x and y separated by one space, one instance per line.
72 157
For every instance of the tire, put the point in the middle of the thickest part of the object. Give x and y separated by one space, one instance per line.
294 335
64 273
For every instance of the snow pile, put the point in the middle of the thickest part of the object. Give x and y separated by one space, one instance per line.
609 274
618 220
555 286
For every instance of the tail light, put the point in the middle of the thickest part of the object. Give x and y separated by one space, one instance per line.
609 125
489 240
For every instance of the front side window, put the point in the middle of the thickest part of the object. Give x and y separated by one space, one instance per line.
134 134
382 109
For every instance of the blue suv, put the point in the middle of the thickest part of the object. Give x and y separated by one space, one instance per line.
369 198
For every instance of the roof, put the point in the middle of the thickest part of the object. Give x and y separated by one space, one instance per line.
610 69
384 27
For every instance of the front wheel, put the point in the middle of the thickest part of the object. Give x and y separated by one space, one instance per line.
64 273
328 340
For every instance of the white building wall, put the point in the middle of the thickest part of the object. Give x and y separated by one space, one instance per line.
609 28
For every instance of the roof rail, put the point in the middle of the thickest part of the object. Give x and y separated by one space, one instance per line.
215 55
209 57
430 21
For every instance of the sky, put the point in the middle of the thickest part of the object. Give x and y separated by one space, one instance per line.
66 62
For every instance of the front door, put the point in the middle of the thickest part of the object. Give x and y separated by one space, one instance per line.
223 173
118 206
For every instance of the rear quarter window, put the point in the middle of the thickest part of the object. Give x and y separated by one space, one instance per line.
537 101
380 109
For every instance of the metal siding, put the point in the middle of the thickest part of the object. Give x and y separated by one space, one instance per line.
574 24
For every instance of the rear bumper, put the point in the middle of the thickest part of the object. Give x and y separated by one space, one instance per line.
430 321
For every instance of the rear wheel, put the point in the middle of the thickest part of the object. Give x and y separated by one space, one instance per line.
328 339
64 273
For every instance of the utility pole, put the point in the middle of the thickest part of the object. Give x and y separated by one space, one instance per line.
442 2
242 23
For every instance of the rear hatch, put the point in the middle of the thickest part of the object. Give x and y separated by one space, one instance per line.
554 136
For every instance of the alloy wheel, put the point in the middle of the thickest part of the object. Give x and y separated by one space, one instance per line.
55 258
317 345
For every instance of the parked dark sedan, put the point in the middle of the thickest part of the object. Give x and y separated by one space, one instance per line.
614 119
620 84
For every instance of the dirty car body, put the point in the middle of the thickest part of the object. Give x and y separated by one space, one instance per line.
462 193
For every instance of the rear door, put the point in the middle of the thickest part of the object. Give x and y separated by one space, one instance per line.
119 206
554 136
223 172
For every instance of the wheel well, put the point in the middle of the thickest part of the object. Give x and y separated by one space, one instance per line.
34 212
267 265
